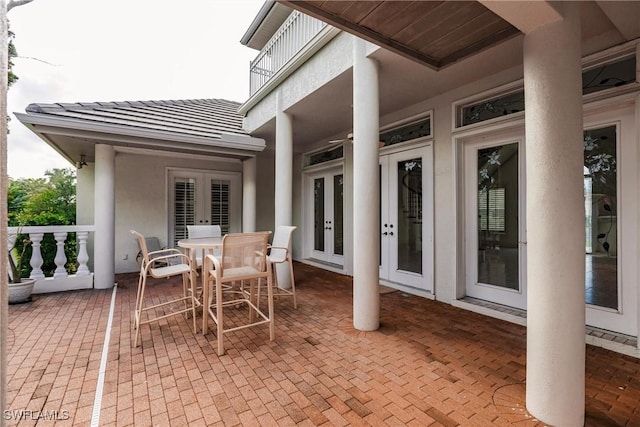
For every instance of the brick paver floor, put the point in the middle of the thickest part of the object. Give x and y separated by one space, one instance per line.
428 364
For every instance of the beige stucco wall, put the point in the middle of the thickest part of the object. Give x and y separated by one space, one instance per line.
141 198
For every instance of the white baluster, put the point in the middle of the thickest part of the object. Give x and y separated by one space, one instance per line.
83 255
61 258
36 256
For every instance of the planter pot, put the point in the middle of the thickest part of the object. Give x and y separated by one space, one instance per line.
21 292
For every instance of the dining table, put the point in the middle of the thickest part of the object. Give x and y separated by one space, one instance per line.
198 248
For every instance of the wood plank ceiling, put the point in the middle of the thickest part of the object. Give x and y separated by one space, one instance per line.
434 33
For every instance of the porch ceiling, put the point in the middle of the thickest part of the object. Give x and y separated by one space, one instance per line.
433 47
433 33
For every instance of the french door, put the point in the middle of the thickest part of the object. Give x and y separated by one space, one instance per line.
611 207
205 198
495 221
325 215
406 238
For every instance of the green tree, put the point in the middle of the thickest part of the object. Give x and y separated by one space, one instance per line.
45 201
51 201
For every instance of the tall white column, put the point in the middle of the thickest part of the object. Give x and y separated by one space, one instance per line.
555 221
366 191
249 195
283 179
105 201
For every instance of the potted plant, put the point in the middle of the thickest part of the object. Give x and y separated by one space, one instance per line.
20 288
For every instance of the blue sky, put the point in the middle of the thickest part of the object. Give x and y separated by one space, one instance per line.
122 50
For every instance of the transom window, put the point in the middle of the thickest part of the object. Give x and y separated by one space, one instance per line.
610 75
407 132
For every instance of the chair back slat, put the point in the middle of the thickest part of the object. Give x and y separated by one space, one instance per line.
199 231
281 239
142 244
245 250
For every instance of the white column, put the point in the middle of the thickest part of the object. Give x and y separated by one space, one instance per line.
249 195
284 166
283 179
366 191
555 221
104 247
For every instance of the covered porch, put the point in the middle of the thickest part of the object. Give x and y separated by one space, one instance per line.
429 364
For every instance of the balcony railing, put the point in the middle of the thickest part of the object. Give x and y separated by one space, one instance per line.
61 279
290 38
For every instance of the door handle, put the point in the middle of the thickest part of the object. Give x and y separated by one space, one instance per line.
391 233
385 233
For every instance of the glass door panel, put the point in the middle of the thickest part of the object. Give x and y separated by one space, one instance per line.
601 212
338 225
409 214
325 206
318 212
184 206
497 225
220 204
494 217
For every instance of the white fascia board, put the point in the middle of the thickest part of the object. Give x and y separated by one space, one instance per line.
74 127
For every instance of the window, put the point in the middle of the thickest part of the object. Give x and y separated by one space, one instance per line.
609 75
488 109
332 153
407 132
491 209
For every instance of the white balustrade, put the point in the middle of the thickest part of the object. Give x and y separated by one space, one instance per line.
61 258
83 255
61 280
36 255
294 34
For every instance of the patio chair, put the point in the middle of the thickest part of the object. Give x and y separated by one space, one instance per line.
199 231
280 252
175 263
244 259
153 246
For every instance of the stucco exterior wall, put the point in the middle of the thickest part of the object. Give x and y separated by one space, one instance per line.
142 199
332 60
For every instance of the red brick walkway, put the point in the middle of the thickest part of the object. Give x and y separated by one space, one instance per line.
428 364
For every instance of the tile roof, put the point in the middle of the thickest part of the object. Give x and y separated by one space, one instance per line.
209 118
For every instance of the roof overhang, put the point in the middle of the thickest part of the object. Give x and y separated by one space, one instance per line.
73 138
433 33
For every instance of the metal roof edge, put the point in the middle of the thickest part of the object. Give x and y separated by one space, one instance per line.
257 21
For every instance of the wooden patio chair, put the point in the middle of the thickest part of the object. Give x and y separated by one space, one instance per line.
244 260
174 263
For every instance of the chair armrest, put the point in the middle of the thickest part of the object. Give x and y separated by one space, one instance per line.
171 252
177 254
283 258
215 262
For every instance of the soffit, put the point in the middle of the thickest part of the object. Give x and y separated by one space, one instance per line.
433 33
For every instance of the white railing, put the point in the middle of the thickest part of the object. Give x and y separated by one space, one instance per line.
61 280
290 38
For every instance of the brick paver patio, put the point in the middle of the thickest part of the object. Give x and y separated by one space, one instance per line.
428 364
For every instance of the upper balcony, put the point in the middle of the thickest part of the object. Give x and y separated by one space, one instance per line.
294 35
